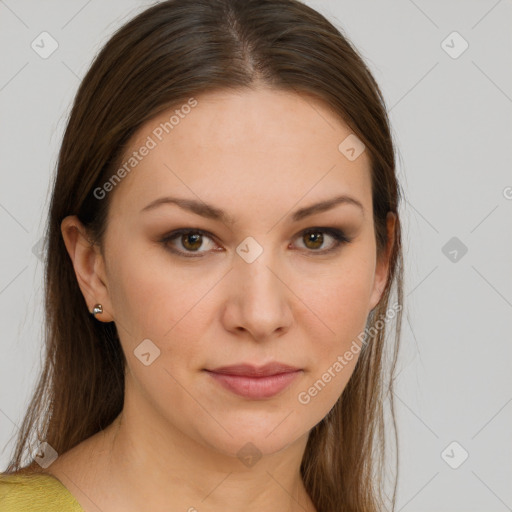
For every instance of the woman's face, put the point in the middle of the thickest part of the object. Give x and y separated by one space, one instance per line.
252 287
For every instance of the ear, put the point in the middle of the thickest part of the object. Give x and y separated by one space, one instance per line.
89 266
382 267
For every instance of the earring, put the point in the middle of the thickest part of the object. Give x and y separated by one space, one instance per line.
98 308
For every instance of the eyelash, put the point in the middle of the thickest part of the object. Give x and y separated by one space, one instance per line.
338 235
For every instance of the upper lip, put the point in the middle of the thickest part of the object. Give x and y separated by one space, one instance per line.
249 370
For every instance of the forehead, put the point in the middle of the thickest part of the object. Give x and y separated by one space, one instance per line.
246 147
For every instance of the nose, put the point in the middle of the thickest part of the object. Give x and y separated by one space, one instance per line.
258 298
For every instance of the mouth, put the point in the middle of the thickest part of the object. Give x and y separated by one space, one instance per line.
254 382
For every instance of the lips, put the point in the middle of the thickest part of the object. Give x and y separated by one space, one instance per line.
248 370
255 382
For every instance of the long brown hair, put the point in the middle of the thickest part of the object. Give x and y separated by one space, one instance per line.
166 54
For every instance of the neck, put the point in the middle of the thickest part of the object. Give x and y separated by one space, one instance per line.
175 472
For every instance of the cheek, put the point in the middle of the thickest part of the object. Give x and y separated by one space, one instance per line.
334 333
334 355
152 303
150 298
339 299
172 308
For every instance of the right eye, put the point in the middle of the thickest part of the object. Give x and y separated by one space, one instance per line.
190 239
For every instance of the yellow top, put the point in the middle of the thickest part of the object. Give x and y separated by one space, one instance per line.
38 492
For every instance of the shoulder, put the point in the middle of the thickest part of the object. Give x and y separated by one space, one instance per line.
40 491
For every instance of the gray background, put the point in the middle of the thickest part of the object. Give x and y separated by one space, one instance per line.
451 118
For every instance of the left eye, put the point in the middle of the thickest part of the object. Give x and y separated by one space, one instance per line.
192 240
315 236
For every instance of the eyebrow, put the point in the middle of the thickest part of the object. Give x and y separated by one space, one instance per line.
212 212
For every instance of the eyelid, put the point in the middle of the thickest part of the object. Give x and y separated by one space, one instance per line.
339 235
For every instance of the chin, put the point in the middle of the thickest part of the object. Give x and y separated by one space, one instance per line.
253 436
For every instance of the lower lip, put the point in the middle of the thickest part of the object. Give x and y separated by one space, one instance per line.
255 387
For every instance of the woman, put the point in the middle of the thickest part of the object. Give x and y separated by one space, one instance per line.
222 245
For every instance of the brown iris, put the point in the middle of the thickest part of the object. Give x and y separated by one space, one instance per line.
196 241
315 237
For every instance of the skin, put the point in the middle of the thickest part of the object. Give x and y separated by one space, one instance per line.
260 155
